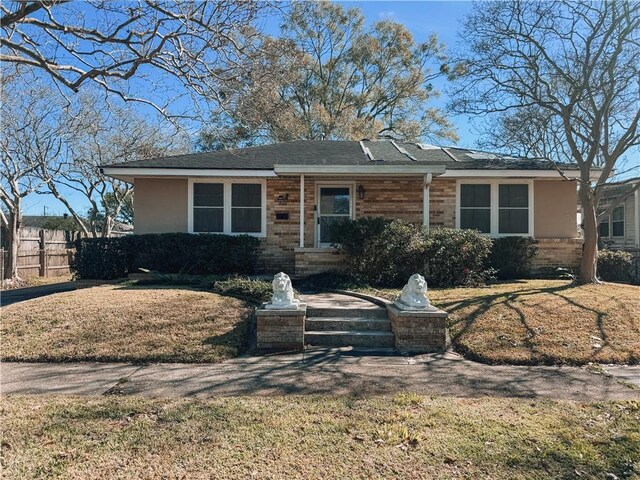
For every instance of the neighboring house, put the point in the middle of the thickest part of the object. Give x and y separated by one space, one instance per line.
50 222
290 193
619 226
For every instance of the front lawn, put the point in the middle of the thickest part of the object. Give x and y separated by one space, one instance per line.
542 322
408 436
120 323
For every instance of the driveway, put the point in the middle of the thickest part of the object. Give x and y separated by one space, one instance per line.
345 371
7 297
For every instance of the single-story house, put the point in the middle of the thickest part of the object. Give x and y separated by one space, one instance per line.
619 225
290 193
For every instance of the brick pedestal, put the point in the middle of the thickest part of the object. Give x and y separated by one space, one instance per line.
419 331
280 329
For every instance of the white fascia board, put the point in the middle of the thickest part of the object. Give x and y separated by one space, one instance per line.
547 174
358 169
118 172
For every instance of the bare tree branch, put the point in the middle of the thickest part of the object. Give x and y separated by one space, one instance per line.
560 80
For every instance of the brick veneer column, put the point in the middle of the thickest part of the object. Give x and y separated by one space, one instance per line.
419 331
280 329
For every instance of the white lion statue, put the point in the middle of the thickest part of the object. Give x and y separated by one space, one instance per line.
282 292
414 294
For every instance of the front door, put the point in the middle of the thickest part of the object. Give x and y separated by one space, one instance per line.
335 203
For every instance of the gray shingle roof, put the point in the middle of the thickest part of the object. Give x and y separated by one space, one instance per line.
618 189
324 152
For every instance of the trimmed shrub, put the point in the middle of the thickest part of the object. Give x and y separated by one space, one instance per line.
615 266
330 280
380 252
100 258
260 290
183 253
192 254
457 257
511 257
386 253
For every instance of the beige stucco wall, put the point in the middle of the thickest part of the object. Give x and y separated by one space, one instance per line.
555 209
160 205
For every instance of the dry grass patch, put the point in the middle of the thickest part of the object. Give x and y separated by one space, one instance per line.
408 436
35 281
118 323
543 322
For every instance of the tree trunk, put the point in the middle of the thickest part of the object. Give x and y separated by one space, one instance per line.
589 264
15 220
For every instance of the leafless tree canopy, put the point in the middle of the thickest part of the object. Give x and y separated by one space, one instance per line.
110 42
561 79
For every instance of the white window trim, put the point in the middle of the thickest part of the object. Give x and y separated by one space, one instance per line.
226 183
609 221
624 222
316 212
495 204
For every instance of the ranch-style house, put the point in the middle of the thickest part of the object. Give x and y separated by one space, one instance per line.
289 194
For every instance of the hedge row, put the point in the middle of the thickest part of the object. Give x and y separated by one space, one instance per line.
385 253
109 258
619 266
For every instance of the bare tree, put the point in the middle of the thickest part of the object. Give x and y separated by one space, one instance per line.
327 75
29 139
109 43
562 77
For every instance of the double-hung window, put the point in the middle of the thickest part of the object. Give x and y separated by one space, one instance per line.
613 226
246 208
495 208
227 207
208 207
513 209
617 221
475 207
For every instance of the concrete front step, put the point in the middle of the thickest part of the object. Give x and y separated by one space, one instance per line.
338 338
375 312
347 324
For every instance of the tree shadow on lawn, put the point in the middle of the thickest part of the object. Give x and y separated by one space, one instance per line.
243 330
480 305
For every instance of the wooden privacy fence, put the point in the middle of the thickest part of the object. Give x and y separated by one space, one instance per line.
42 253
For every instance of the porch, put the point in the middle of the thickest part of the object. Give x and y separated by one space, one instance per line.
301 210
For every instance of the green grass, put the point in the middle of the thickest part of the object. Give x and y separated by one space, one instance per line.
407 436
534 322
126 323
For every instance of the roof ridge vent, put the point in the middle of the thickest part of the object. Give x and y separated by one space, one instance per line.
403 151
366 151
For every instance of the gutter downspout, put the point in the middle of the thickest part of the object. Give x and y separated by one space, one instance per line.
637 218
301 211
425 200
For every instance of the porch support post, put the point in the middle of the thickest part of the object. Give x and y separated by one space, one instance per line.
425 200
301 211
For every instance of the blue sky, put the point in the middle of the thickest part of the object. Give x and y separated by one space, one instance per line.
421 18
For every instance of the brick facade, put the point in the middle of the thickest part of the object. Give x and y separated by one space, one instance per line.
309 261
558 252
397 197
442 203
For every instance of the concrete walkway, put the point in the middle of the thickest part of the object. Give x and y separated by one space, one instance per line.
318 371
336 300
7 297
